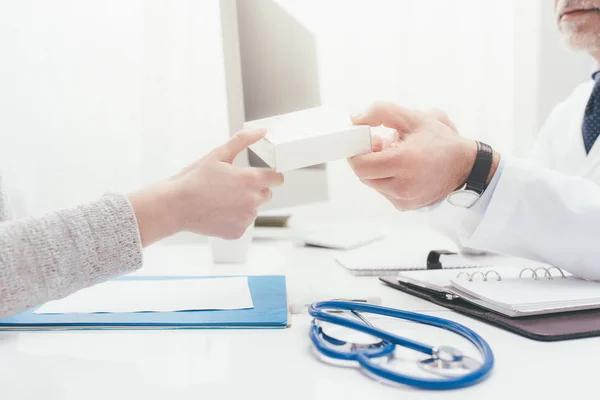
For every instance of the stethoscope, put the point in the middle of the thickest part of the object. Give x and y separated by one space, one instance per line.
453 369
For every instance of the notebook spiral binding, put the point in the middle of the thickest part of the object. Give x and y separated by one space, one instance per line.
534 274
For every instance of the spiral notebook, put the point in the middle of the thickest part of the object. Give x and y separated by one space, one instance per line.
512 291
381 259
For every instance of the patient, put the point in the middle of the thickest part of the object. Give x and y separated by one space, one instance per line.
47 258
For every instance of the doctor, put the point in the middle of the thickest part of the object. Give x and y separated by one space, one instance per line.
545 207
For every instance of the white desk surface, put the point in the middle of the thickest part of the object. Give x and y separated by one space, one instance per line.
270 364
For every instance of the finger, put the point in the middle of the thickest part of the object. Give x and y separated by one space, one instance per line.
373 165
379 165
390 115
266 195
238 143
385 186
376 144
260 178
387 143
379 143
272 178
442 117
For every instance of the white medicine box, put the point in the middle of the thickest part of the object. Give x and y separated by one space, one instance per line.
309 137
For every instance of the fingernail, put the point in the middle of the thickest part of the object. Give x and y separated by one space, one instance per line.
356 115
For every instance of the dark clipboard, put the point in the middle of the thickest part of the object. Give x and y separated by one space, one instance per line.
547 328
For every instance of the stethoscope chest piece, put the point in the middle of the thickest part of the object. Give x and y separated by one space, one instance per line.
448 361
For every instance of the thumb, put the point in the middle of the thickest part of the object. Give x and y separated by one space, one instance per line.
238 143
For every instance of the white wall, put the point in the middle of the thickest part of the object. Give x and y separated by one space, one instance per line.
105 95
527 82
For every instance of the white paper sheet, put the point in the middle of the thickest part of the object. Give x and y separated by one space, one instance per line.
160 296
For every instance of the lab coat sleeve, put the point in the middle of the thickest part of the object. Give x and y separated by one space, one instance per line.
541 154
457 222
480 207
543 215
467 220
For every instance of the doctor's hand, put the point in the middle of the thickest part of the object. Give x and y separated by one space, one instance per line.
426 162
209 197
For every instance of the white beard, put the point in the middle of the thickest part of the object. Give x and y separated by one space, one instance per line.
582 40
580 34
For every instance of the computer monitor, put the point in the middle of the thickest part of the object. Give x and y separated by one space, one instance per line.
271 68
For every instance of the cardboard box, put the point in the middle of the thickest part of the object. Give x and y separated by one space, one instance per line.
309 137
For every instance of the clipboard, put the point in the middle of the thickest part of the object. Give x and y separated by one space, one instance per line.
549 327
268 295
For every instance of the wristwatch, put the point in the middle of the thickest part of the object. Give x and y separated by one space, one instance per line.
468 194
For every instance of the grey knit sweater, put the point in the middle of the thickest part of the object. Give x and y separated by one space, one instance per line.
48 258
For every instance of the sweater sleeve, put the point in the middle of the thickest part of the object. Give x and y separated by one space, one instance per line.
48 258
5 209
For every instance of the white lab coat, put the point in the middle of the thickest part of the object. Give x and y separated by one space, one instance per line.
546 207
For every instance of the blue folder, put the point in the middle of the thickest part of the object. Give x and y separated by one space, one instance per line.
268 295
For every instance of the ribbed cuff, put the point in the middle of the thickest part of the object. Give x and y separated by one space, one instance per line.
115 230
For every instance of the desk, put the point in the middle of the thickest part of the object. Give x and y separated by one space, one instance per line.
271 364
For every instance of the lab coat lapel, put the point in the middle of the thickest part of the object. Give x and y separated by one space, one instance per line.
575 160
570 144
592 159
592 163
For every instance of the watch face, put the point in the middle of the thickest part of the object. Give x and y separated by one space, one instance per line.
463 198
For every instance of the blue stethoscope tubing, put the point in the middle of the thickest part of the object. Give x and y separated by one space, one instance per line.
363 356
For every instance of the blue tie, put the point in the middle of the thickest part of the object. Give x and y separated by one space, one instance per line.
591 119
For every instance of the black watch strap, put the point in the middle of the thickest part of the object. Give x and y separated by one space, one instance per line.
477 180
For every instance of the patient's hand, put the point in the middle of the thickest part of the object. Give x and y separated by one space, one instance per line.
210 197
